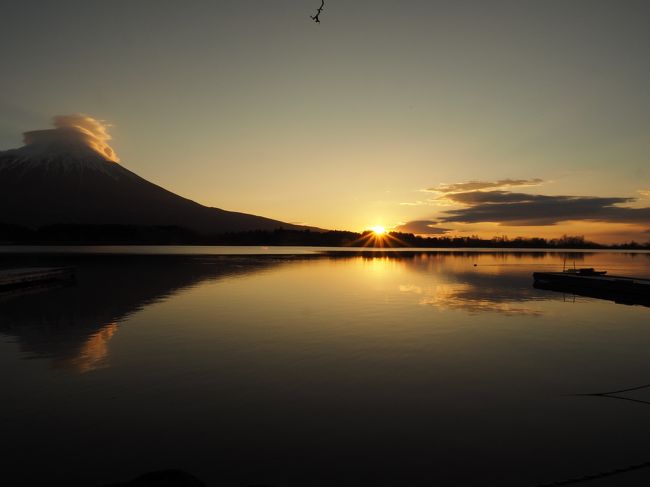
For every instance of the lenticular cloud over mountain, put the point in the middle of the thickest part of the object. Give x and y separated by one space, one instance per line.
74 130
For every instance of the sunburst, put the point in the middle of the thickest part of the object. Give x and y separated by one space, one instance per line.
378 236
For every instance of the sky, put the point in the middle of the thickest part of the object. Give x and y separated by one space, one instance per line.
518 118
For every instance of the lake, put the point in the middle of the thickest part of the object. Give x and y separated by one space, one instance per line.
299 367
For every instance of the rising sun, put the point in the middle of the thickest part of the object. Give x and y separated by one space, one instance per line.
378 230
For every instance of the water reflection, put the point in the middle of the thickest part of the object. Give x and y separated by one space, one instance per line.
470 298
92 354
500 282
415 369
73 325
474 282
618 297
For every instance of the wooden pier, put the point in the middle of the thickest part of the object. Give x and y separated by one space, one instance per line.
632 285
620 289
34 276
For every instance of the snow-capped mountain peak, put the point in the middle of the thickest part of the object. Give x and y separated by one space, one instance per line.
76 144
70 175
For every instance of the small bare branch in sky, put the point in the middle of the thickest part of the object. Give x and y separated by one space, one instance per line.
315 18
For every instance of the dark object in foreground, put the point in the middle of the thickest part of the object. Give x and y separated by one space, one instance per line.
163 478
33 276
593 284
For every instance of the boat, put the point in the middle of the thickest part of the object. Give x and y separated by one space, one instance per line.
591 283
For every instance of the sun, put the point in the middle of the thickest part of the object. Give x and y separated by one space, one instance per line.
378 236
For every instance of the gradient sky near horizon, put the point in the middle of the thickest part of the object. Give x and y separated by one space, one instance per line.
368 118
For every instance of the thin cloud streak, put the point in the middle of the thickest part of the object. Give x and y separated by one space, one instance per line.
480 185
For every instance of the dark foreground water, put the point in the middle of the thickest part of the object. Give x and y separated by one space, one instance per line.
406 369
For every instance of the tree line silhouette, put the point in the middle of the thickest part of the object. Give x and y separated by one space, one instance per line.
72 234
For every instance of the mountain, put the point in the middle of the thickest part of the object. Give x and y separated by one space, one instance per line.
64 175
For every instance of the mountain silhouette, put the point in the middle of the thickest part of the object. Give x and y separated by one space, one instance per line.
60 177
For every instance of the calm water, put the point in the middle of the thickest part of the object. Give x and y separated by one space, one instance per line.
400 369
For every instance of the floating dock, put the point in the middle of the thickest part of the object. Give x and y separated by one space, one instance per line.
34 276
620 289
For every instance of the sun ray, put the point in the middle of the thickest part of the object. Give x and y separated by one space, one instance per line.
378 236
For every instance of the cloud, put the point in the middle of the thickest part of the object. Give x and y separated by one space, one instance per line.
422 227
479 185
415 203
74 130
477 197
439 201
507 208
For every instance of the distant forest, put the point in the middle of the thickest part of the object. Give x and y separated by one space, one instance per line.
65 234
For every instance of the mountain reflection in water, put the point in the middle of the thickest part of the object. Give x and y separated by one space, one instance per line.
72 325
